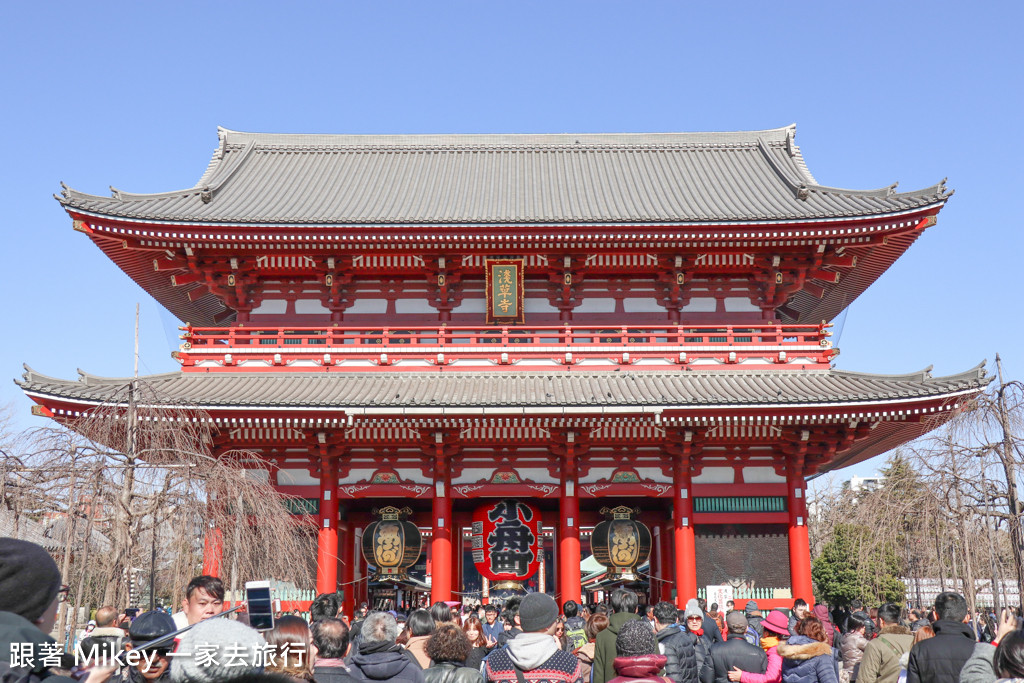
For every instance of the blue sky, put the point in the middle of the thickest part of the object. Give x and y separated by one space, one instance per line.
130 95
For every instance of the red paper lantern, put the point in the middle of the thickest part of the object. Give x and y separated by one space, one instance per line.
506 541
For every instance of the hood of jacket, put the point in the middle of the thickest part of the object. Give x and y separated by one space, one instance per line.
586 652
15 628
380 666
616 620
639 666
667 632
801 647
952 628
529 650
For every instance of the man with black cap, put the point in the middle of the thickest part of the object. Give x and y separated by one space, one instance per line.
154 664
535 649
30 588
736 651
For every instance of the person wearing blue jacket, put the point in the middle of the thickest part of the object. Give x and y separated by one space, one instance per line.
807 657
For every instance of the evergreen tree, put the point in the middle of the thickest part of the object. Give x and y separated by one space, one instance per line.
855 565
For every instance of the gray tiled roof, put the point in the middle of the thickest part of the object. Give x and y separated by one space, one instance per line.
640 178
395 391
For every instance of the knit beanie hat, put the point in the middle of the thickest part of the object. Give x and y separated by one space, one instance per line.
217 650
537 612
750 608
29 578
635 638
692 609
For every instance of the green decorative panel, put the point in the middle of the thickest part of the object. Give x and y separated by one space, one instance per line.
302 506
740 504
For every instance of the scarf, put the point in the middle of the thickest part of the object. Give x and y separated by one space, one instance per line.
697 632
768 642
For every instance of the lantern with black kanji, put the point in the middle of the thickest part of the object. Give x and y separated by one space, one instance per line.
392 544
506 542
620 543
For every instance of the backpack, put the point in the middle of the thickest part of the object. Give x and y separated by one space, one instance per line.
752 636
575 632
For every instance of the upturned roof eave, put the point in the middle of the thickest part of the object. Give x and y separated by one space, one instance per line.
936 204
969 382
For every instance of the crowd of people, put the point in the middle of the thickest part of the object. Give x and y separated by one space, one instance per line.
531 639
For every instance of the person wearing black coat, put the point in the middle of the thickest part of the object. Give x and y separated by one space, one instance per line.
448 648
940 659
736 651
379 658
676 645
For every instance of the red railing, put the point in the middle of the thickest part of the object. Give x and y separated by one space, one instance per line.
444 345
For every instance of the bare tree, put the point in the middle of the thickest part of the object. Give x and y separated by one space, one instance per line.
134 492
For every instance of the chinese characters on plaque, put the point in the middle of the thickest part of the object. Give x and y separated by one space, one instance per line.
504 291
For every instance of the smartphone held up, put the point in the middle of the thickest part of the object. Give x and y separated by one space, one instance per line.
260 605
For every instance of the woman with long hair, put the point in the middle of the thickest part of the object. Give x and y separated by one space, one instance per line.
807 657
595 624
293 648
474 629
854 643
419 625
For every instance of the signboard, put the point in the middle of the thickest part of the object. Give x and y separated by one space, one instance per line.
506 540
504 291
719 595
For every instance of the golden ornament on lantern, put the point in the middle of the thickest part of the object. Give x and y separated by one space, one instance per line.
392 543
621 543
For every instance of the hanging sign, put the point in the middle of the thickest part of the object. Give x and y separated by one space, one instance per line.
392 544
621 543
504 291
506 542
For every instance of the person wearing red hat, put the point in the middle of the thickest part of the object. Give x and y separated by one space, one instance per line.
776 627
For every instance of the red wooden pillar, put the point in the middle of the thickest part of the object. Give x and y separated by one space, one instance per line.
347 539
441 519
569 587
441 545
327 534
213 549
799 543
682 523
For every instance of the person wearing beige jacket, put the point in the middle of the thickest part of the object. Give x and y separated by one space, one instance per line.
881 660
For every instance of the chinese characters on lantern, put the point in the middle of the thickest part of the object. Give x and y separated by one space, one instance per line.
506 540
